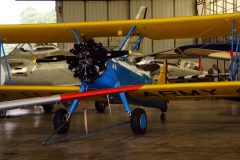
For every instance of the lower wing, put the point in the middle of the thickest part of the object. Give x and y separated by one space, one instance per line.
12 92
180 91
144 92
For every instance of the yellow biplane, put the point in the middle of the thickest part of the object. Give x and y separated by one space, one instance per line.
103 72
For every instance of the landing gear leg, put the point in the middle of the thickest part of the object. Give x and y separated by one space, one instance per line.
61 118
61 121
48 108
138 118
3 114
164 108
163 117
100 106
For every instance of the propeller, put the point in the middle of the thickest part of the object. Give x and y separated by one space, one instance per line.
90 60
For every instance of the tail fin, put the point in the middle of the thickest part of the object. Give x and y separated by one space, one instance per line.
142 12
162 79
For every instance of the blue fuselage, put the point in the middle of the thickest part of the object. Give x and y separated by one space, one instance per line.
121 72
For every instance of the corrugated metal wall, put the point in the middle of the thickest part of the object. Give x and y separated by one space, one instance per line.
127 9
184 8
73 11
163 9
146 45
117 10
97 11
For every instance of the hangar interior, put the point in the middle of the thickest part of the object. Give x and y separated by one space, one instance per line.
206 129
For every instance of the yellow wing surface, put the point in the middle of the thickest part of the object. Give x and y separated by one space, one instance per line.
9 92
13 92
142 92
164 28
180 91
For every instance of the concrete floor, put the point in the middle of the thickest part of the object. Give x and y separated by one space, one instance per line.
194 130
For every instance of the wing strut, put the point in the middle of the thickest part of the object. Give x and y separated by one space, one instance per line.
76 101
138 43
83 87
124 100
231 76
234 63
126 38
76 35
6 63
232 45
142 11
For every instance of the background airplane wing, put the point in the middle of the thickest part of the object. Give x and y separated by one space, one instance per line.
144 93
208 53
164 28
215 51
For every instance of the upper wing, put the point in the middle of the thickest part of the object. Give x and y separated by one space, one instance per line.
164 28
145 92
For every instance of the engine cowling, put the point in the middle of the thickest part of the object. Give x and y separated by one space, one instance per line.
90 60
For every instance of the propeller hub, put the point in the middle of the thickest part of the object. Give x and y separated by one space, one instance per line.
90 60
87 63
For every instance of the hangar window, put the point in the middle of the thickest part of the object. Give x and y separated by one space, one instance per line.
18 12
209 7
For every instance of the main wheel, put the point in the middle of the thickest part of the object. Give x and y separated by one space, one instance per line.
3 114
163 117
48 108
59 119
138 121
100 106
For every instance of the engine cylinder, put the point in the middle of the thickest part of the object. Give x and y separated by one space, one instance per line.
87 64
90 60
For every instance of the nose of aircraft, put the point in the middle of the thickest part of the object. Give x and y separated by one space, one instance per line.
90 60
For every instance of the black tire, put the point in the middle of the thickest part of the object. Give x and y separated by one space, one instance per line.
100 106
3 114
163 117
138 121
59 118
48 108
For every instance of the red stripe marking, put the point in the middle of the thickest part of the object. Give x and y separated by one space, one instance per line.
78 95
